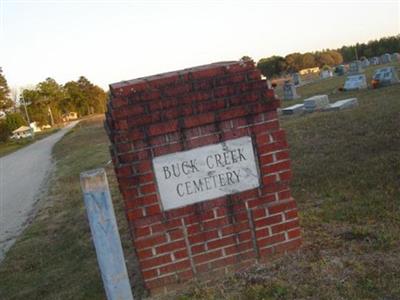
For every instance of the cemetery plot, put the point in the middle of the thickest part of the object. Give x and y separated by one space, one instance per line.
355 82
384 77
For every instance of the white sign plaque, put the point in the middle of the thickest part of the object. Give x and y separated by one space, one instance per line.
205 173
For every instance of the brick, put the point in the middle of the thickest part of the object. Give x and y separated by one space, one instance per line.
282 155
162 128
232 113
292 234
141 231
285 176
284 226
209 106
173 91
141 201
211 255
149 274
151 263
268 221
196 249
282 207
274 168
291 214
185 264
150 241
203 236
254 75
175 234
269 241
153 210
228 135
170 247
207 73
180 254
202 141
239 248
221 243
198 120
163 80
148 188
168 148
144 254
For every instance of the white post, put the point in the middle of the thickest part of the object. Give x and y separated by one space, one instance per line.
105 234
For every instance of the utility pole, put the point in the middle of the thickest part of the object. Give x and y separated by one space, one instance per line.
51 116
355 51
21 98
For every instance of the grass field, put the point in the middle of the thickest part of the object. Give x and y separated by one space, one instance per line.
346 181
11 146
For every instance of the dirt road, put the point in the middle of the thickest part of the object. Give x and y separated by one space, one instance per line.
22 176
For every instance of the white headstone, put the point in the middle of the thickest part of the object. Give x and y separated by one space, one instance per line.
355 67
289 91
315 103
385 76
386 58
294 109
355 82
205 173
342 104
326 74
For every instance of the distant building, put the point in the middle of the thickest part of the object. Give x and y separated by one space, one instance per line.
70 116
309 71
22 132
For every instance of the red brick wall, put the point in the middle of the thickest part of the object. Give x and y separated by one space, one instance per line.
177 111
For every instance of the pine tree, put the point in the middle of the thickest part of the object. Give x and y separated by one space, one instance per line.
5 100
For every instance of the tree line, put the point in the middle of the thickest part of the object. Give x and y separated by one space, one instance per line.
277 65
48 102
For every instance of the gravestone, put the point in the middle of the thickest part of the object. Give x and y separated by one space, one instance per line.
340 70
374 60
326 74
395 57
384 77
294 109
342 104
296 79
386 58
289 91
355 82
365 63
355 67
316 103
204 171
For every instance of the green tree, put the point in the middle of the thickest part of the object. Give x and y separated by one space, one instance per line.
271 66
308 61
336 57
14 121
294 62
5 100
84 97
325 59
37 109
4 132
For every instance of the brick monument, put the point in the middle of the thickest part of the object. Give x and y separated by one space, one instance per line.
204 171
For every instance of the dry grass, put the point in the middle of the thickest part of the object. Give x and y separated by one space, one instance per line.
346 181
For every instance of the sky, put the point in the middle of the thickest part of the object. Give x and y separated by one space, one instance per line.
111 41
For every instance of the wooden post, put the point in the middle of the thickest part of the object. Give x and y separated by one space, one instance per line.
105 234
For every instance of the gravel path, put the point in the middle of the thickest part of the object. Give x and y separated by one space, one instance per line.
22 176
